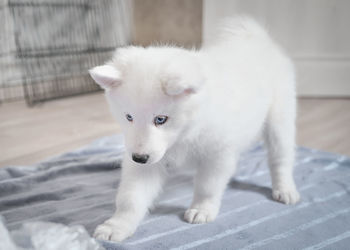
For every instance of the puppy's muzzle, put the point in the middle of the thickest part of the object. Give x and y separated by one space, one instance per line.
140 158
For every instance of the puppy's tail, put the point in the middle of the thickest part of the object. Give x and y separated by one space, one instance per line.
242 26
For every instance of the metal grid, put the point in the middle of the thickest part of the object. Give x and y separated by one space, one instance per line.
49 45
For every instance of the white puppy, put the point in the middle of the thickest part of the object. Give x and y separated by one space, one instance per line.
198 109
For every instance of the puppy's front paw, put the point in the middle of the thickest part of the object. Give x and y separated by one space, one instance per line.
199 216
287 195
112 231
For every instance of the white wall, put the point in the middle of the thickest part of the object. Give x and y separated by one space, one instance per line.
316 34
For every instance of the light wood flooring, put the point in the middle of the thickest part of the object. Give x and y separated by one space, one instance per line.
29 135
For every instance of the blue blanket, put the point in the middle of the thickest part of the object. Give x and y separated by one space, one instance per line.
79 188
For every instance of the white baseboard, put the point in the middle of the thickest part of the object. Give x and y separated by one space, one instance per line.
323 77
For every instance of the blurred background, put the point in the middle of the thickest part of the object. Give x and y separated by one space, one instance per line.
49 104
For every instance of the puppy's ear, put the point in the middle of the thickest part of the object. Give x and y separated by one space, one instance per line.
106 76
176 86
182 79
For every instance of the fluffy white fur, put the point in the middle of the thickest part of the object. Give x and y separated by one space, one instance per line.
219 100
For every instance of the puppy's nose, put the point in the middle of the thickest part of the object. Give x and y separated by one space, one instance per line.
140 158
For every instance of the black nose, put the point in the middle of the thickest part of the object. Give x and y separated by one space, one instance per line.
140 158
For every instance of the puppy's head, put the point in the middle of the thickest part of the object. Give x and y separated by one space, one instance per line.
152 92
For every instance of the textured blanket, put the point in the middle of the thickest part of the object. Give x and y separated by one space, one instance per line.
79 188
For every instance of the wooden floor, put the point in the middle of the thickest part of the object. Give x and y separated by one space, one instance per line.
28 135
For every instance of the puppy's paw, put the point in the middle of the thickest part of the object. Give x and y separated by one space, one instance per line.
287 195
112 231
199 216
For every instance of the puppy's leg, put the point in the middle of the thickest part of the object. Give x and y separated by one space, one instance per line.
210 182
280 139
138 188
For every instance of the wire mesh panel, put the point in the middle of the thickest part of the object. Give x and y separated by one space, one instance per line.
50 44
10 73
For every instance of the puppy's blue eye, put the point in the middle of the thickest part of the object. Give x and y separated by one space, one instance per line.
129 118
160 120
